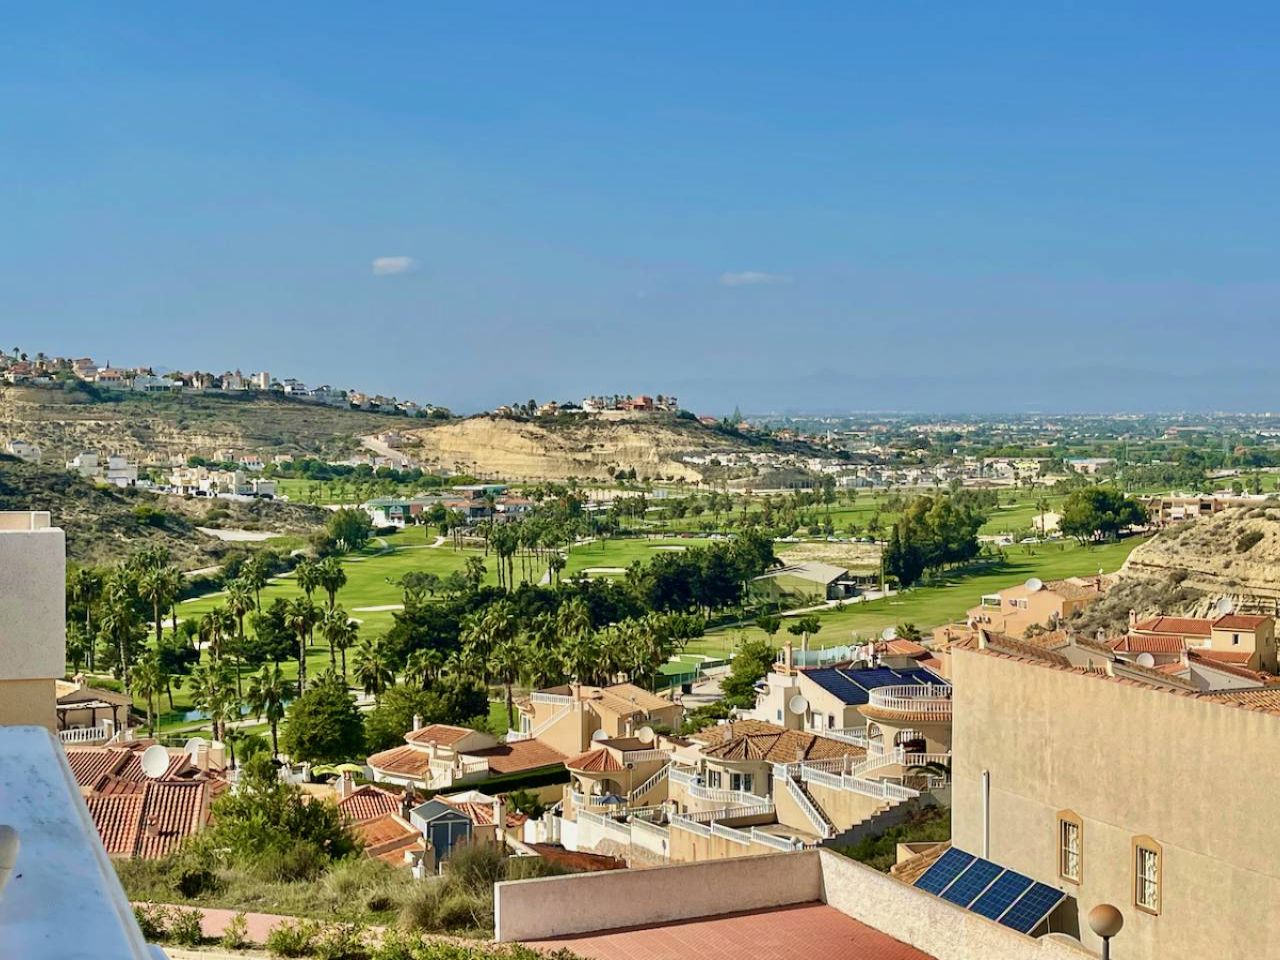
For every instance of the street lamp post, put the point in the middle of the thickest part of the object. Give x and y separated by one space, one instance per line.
1106 921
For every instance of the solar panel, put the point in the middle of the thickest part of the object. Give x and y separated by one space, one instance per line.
946 869
1000 895
966 887
1032 908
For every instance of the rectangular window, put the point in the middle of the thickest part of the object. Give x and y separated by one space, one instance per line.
740 781
1235 639
1069 853
1146 877
713 779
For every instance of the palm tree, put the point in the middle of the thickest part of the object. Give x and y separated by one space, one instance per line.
505 663
332 578
215 627
300 617
373 672
153 586
147 682
423 667
254 573
240 602
308 575
119 620
333 623
267 693
213 692
86 585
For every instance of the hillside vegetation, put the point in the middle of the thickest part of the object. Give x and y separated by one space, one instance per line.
105 524
157 426
1233 553
564 447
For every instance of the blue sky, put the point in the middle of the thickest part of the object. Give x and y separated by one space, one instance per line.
798 206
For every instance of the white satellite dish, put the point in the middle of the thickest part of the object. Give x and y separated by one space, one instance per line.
598 736
1225 606
1034 584
889 633
798 704
1146 660
155 761
192 746
646 735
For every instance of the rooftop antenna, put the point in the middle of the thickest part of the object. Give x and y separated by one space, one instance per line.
155 761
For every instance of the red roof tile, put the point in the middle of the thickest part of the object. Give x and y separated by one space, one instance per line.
1185 626
149 819
442 734
598 760
576 861
404 761
118 819
522 755
1239 621
369 803
1148 643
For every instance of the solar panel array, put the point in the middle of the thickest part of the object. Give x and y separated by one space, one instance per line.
991 891
853 686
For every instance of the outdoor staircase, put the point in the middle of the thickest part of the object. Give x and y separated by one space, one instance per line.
817 808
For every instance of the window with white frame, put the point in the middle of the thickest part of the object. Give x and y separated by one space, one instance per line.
1146 875
740 781
713 779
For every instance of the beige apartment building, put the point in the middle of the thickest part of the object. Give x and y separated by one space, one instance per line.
1245 640
1036 603
1116 784
567 717
33 626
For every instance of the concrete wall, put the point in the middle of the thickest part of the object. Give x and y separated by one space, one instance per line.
1196 776
929 923
844 808
556 906
33 628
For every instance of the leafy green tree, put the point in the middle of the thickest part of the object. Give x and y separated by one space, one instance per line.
324 725
770 623
373 670
349 529
1091 514
453 698
749 666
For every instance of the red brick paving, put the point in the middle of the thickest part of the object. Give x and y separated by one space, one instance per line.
805 932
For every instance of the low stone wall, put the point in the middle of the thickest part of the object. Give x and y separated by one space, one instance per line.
929 923
555 906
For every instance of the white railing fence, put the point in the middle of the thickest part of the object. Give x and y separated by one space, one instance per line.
930 701
820 824
85 735
649 784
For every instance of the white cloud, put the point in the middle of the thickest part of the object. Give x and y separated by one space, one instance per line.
388 266
752 278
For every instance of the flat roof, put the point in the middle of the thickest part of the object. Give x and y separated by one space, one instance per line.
804 930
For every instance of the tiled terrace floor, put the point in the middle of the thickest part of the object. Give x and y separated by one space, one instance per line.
804 932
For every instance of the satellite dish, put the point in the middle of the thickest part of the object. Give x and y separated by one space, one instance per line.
598 736
1224 606
1146 660
192 746
889 633
155 761
645 735
1034 584
798 704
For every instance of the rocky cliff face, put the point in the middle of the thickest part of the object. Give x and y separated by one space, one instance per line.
587 449
1235 553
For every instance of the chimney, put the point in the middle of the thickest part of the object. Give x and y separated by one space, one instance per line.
417 721
788 656
153 826
345 785
109 728
202 757
1133 619
406 804
499 818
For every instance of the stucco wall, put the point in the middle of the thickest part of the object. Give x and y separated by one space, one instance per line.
929 923
33 628
583 903
1196 776
30 702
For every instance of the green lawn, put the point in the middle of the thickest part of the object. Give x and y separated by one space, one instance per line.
943 601
621 553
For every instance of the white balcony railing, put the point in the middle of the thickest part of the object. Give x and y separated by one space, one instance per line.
515 736
933 701
878 789
821 825
652 782
85 735
643 756
559 699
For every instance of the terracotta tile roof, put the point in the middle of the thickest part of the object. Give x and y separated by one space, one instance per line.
523 755
480 811
368 803
1266 699
92 766
577 862
1227 656
379 830
405 761
442 734
755 740
1184 626
1239 621
912 869
1211 659
149 819
1003 643
905 648
118 819
1148 643
598 760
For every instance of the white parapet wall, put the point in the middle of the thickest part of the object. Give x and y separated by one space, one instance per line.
554 906
33 626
